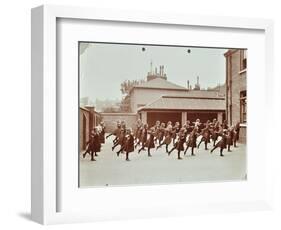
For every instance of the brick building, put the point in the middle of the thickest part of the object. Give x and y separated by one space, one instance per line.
160 99
236 88
89 118
157 85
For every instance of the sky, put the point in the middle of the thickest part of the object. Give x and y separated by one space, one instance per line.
103 67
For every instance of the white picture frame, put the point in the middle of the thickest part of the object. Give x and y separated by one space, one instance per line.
47 184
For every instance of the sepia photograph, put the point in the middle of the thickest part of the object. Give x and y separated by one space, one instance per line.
161 114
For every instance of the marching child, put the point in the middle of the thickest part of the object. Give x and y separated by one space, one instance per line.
150 142
128 146
191 142
179 144
168 138
222 143
121 140
94 145
205 136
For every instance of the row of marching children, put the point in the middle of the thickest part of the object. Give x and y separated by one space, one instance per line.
181 138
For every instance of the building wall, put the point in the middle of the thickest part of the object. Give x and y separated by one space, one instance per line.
84 128
144 96
88 119
110 120
236 82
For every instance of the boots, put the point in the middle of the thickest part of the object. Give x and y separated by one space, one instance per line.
179 156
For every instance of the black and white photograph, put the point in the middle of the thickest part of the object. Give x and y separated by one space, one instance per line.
160 114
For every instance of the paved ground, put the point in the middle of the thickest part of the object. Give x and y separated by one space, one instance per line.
110 170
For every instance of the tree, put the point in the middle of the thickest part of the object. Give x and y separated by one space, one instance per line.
126 87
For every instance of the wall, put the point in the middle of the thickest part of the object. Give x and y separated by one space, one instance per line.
89 119
110 120
236 82
84 127
144 96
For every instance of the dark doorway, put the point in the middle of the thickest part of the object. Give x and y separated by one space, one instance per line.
203 116
152 117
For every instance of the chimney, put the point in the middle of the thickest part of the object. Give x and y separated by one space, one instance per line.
187 84
197 80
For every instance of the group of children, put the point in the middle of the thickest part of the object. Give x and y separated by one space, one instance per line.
96 139
181 137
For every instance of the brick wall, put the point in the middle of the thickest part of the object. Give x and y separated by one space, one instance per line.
84 127
110 120
236 82
89 118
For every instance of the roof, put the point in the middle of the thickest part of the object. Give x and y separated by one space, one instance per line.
159 83
186 103
204 93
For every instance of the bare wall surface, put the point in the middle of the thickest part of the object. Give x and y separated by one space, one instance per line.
110 120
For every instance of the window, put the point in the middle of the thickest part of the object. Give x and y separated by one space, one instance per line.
243 60
243 106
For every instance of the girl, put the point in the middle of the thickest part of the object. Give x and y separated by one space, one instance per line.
222 143
175 131
168 138
161 132
102 132
116 133
120 141
143 138
93 144
215 131
128 144
229 138
192 138
150 142
179 144
205 136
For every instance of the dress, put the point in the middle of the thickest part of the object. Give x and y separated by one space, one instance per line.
161 132
94 143
101 134
180 142
206 135
230 137
121 139
150 142
129 144
222 143
168 137
144 136
192 140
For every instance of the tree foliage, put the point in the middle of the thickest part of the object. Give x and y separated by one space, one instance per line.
126 87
